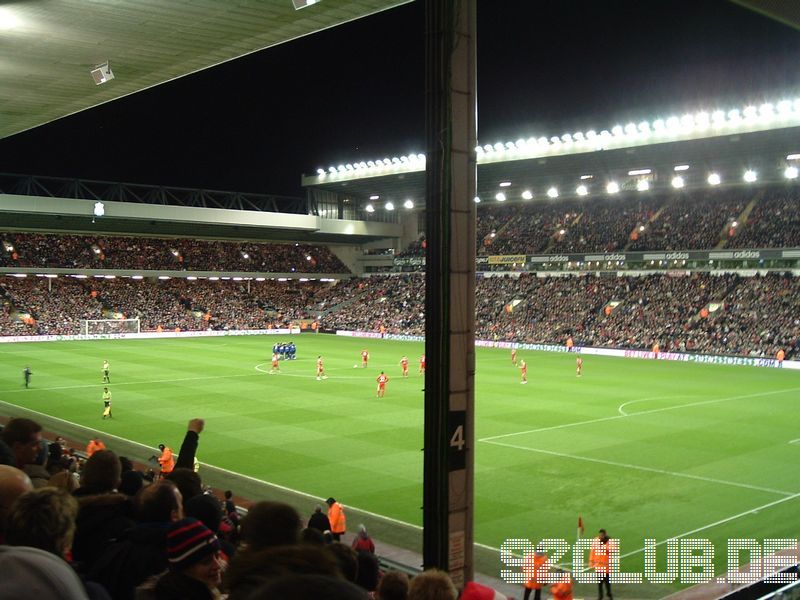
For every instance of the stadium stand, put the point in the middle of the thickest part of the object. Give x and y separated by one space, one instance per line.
718 313
92 252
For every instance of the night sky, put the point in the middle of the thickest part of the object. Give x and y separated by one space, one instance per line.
355 92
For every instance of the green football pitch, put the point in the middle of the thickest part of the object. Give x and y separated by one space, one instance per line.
645 449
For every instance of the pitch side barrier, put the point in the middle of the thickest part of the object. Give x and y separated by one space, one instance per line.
147 335
712 359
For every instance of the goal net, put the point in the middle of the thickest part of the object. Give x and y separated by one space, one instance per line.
105 326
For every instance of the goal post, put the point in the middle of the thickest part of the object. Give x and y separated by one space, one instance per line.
108 326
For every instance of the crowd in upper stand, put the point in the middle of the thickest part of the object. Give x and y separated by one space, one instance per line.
691 220
700 312
773 223
93 252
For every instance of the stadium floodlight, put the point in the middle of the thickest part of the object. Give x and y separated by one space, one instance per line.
542 141
500 197
641 228
750 112
527 195
562 231
587 177
659 125
643 185
476 200
635 172
488 148
505 184
617 130
793 157
681 168
630 129
321 172
714 179
735 224
566 138
702 120
409 204
191 278
498 147
331 169
403 159
164 277
784 107
767 110
370 164
369 208
673 124
678 182
612 187
790 173
245 255
734 115
578 136
552 192
389 206
718 117
581 190
555 140
374 197
750 176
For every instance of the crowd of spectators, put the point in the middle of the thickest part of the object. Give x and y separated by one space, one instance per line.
696 220
107 528
392 304
693 220
93 252
774 222
699 312
606 225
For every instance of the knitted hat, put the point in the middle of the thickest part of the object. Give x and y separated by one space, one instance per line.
189 542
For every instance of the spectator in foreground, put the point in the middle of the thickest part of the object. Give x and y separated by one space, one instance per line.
432 585
143 550
302 587
13 483
195 566
392 586
33 573
24 439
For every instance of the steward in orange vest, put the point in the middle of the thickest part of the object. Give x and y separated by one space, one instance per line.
599 555
94 445
337 518
535 569
166 460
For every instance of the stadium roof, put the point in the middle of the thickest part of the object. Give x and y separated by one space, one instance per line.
50 47
761 139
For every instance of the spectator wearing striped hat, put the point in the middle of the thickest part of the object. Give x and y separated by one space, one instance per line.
195 567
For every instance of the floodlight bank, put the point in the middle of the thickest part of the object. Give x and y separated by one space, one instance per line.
703 124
